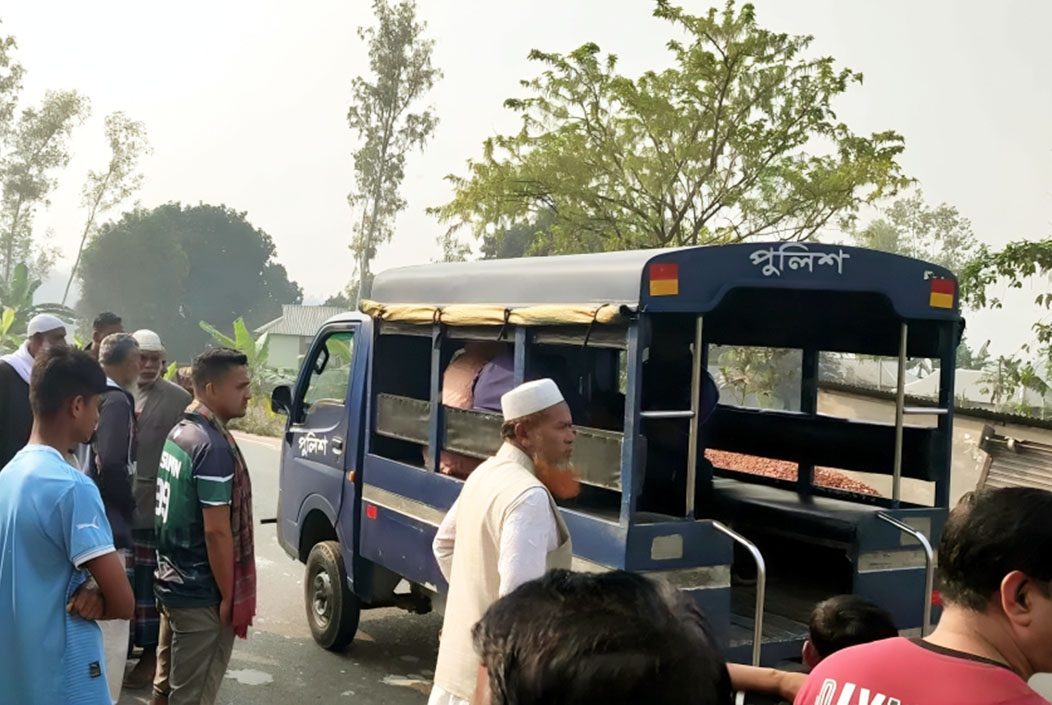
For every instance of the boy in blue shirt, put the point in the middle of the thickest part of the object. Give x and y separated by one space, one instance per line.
58 568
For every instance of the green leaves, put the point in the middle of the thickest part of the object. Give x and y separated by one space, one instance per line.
736 140
402 73
256 350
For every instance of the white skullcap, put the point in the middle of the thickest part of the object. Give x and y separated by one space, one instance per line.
530 398
148 341
44 323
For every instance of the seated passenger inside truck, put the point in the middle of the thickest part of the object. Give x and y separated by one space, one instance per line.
458 392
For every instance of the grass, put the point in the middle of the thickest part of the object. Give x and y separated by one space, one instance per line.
260 420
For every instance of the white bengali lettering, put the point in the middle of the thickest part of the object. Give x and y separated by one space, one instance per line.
795 256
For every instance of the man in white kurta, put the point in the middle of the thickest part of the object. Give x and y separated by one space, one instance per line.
509 527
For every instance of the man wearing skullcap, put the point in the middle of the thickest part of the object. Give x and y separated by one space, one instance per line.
159 406
16 416
504 529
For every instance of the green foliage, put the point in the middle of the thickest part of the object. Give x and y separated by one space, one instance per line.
532 239
172 371
910 227
1007 380
736 140
34 148
8 339
968 359
18 292
257 350
106 189
400 63
168 268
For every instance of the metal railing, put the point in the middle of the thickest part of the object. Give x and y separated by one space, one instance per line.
761 586
929 565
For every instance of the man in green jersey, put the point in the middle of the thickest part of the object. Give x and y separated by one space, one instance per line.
205 580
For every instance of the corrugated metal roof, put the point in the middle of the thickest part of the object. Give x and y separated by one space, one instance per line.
1015 463
299 320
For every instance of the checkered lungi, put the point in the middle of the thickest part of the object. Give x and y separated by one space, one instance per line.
147 619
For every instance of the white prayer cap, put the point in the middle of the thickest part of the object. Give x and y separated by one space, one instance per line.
530 398
44 323
148 341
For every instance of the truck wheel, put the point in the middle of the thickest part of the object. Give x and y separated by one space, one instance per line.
332 609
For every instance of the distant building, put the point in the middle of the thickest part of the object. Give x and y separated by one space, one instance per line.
291 335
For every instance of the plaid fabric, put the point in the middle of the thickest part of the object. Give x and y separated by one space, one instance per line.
244 608
147 620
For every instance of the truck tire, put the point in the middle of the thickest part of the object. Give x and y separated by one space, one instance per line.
333 610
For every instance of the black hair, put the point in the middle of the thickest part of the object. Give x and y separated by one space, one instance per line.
214 363
989 534
59 374
614 638
105 320
848 620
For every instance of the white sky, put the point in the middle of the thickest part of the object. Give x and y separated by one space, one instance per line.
245 103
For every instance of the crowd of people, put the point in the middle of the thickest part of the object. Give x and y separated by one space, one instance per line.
125 519
126 524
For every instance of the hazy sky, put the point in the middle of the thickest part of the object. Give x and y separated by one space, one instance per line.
246 102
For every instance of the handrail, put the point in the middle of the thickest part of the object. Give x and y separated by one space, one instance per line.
761 586
900 420
929 565
695 406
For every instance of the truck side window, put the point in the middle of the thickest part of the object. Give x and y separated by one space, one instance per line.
330 372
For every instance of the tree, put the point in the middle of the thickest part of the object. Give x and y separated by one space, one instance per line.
910 227
737 140
968 359
532 239
106 189
400 61
170 267
35 148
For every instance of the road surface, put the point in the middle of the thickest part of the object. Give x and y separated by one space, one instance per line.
279 664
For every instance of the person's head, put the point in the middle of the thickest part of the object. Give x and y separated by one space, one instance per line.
104 325
843 621
43 333
119 357
63 392
538 421
611 638
994 567
184 377
151 357
222 383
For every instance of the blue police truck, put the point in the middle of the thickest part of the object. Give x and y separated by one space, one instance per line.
630 337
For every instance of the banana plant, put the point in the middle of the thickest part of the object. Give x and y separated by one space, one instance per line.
8 340
257 350
17 294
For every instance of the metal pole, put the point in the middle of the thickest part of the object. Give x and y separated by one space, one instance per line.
761 586
900 405
929 566
695 406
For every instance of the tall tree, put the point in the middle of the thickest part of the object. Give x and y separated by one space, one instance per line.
37 147
400 62
737 139
109 187
173 266
911 227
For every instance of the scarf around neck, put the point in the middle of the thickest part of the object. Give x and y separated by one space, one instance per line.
21 361
244 608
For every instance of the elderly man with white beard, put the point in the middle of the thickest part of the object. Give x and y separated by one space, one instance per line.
505 528
159 405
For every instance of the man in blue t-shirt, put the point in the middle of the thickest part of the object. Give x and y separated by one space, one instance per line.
58 568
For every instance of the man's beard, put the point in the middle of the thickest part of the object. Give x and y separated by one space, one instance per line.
559 478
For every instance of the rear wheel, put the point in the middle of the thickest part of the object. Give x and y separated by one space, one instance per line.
333 610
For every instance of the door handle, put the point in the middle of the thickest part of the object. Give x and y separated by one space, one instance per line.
337 446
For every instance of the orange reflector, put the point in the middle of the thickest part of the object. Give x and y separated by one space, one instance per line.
371 511
943 292
664 279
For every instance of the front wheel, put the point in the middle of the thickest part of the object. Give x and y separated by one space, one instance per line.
333 610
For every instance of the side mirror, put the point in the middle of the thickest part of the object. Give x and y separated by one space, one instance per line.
281 400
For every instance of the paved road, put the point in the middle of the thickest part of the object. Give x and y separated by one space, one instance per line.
279 664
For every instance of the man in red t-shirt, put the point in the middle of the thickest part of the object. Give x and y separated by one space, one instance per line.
996 627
